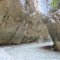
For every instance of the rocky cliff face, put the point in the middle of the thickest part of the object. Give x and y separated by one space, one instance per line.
18 27
53 24
28 6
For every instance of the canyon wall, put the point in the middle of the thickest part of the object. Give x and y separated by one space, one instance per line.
53 24
17 25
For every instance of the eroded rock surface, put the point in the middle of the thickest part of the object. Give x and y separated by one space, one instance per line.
17 27
53 25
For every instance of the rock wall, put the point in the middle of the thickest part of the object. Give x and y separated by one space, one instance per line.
28 6
53 25
17 27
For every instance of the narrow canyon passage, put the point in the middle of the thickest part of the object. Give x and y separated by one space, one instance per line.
26 32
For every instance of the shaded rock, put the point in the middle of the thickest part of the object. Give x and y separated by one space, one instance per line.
53 25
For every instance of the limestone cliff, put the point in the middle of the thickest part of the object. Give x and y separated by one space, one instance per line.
17 27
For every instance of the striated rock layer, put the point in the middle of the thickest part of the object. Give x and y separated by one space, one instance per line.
17 27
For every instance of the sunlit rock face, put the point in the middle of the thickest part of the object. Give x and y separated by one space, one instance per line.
18 27
10 15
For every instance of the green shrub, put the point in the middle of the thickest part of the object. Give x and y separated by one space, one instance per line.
54 3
